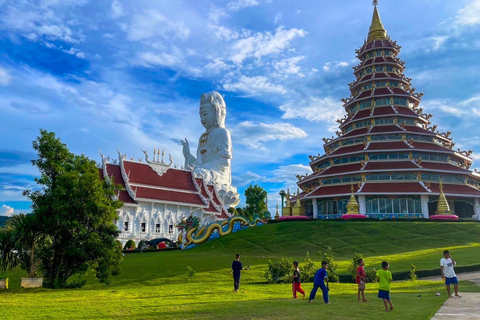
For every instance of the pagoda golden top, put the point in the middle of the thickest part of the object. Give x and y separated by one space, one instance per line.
377 31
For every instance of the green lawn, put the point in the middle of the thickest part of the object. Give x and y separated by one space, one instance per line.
153 284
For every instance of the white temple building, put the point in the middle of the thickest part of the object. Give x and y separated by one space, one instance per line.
157 196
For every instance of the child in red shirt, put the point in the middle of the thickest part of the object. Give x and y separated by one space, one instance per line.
297 282
361 280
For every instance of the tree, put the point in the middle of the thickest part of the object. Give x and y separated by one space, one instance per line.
27 234
76 210
255 197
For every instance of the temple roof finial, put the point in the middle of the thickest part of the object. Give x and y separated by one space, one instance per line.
377 31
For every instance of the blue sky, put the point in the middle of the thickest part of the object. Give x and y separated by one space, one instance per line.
102 74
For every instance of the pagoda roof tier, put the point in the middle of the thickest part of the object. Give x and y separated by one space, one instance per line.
440 166
348 149
460 190
393 187
335 170
332 191
378 76
390 165
378 44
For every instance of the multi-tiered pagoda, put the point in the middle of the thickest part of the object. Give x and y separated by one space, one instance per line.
387 148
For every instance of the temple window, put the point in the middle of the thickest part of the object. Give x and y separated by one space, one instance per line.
400 101
349 128
394 205
387 52
143 227
384 120
393 83
125 226
379 68
389 69
360 73
354 109
380 83
378 52
370 54
365 104
157 228
170 228
367 86
382 102
369 70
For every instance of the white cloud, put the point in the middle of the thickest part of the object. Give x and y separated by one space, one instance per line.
149 59
262 44
252 134
278 18
216 14
289 66
470 14
151 23
75 52
246 179
116 10
223 33
252 86
437 42
241 4
334 66
5 77
313 109
6 211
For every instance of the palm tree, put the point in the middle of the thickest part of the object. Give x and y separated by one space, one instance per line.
8 258
27 233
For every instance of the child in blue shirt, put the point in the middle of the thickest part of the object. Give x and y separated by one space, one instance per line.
320 281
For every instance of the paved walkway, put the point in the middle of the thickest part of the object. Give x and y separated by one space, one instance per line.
466 307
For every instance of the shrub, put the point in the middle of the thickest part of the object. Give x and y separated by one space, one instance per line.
190 273
371 275
352 268
307 269
279 270
413 272
130 245
327 256
119 244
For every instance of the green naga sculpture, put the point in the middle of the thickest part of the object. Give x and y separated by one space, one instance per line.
191 234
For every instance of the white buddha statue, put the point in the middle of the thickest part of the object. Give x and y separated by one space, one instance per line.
214 151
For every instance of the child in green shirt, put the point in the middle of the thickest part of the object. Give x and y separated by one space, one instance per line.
384 278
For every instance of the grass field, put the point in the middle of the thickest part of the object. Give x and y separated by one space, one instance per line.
154 285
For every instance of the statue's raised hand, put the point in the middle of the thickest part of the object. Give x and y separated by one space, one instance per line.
186 148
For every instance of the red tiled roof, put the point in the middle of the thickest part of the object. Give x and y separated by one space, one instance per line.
393 187
406 111
361 114
380 75
390 165
114 170
418 129
366 77
349 149
380 129
170 196
355 132
430 146
383 111
141 173
387 145
442 167
379 59
364 94
390 59
455 189
341 169
382 91
332 191
399 91
394 75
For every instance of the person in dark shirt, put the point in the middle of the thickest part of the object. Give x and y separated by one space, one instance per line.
297 281
236 269
320 281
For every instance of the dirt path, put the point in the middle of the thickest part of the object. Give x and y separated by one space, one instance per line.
466 307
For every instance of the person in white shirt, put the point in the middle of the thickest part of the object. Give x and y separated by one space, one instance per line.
448 273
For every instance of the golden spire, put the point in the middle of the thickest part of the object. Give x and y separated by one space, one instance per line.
352 206
377 31
442 206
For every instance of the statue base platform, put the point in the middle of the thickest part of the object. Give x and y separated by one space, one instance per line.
353 216
444 217
293 218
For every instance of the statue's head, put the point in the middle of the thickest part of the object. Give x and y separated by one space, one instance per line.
212 104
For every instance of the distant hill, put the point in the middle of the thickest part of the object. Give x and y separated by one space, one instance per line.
3 219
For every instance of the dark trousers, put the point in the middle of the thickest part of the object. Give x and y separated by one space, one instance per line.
324 291
236 283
